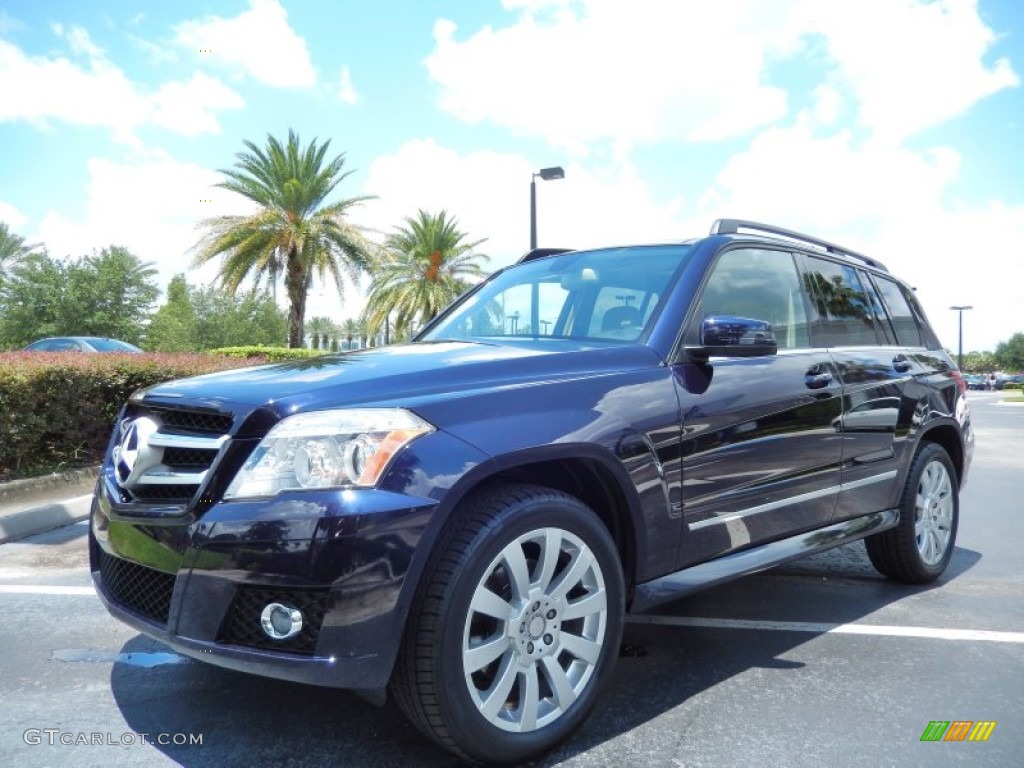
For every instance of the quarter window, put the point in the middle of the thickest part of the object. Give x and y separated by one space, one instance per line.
907 331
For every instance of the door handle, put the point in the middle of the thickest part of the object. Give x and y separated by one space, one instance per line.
900 363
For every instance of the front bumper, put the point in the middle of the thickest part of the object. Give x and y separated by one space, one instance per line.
199 584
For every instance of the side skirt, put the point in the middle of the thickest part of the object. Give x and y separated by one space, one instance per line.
665 589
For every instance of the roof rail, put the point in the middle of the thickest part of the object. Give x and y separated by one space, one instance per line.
732 227
540 253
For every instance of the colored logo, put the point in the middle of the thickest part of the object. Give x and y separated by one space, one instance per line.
958 730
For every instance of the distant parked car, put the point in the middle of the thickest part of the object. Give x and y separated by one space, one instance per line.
976 381
1002 381
81 344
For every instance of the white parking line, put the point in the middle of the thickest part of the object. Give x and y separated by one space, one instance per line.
37 589
817 628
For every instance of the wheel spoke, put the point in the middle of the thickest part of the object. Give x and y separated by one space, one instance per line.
489 604
561 687
483 654
497 694
549 558
580 647
592 603
926 550
518 571
919 524
529 698
572 575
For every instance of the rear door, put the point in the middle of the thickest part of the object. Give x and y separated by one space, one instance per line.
760 454
851 322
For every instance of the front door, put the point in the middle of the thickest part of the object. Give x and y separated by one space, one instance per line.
761 455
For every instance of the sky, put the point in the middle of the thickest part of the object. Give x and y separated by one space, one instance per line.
893 127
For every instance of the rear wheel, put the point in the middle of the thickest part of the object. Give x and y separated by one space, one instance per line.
920 547
516 627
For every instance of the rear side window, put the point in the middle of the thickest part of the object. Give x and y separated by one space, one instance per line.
844 307
903 322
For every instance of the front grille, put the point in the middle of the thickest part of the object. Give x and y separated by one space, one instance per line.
193 421
143 590
242 625
163 454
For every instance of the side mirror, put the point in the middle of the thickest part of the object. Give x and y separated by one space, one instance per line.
731 336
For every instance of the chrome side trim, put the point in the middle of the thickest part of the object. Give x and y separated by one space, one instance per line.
810 496
681 583
891 475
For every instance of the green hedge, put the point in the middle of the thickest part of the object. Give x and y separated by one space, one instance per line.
269 354
57 409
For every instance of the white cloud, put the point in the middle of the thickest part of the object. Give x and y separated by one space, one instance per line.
11 216
258 41
646 70
188 107
346 91
150 205
910 64
98 93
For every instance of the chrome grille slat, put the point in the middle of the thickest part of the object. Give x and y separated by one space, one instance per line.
163 475
167 440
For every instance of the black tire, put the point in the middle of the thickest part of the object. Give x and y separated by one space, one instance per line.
918 549
476 555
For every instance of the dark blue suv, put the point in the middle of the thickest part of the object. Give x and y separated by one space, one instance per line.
464 520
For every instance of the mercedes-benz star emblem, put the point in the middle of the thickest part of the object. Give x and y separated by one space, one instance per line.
134 455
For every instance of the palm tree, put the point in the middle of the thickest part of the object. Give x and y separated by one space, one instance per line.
350 329
424 266
13 249
294 231
320 328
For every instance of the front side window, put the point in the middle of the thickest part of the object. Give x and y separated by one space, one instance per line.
757 284
603 296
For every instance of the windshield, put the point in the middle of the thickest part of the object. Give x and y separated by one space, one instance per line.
607 295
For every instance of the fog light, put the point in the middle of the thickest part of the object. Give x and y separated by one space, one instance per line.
281 622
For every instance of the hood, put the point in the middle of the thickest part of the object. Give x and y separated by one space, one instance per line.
398 374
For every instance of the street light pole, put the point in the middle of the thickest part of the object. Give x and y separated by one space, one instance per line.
547 174
960 347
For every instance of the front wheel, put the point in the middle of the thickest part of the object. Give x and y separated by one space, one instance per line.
919 548
516 627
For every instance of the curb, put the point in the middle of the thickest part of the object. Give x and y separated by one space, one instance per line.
29 522
72 480
27 507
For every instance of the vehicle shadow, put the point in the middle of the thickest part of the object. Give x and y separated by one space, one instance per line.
245 720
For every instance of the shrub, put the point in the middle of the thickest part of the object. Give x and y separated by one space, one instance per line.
57 409
267 354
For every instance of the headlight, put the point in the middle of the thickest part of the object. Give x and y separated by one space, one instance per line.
327 449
